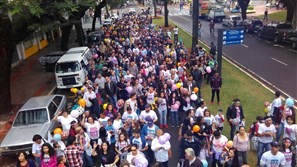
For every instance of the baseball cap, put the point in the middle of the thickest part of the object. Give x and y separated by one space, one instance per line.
147 105
274 144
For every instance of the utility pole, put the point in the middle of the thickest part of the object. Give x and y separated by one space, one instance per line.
195 17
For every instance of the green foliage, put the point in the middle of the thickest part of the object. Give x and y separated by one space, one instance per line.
250 7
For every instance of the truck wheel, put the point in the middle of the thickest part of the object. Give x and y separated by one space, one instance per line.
276 39
294 45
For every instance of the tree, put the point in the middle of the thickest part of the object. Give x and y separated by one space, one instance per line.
166 13
195 24
98 13
243 6
291 6
155 8
18 18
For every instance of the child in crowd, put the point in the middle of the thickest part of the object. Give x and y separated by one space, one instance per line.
219 120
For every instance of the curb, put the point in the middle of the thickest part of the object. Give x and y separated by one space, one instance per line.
243 69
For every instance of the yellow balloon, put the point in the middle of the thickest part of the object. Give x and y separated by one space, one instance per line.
82 89
265 110
105 106
178 85
75 90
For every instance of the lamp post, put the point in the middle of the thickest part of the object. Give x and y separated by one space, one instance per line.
195 16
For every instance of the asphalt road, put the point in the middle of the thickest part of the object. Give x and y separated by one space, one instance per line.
277 64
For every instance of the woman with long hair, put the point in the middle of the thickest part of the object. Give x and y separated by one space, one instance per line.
105 156
289 152
122 146
24 161
241 142
48 156
230 159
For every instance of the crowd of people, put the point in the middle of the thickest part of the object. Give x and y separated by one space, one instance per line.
137 78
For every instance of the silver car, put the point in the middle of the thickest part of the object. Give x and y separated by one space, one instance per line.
35 117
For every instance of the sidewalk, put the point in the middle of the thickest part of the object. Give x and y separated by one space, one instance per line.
28 79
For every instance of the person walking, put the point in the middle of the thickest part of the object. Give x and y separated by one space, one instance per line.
241 142
235 116
273 157
199 28
266 132
265 15
191 159
211 28
215 84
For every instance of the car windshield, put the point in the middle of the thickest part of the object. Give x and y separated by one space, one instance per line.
67 67
29 117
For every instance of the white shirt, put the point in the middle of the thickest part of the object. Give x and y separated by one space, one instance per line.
209 120
93 129
218 144
151 113
275 103
175 31
263 128
218 120
103 121
290 131
200 111
162 106
129 117
130 157
66 122
36 148
161 155
271 160
132 104
89 95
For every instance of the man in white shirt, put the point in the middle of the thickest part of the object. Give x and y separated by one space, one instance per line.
160 149
148 112
175 32
129 116
266 133
273 158
200 110
276 103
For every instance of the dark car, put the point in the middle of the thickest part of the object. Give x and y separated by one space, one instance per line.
94 37
254 25
49 61
275 31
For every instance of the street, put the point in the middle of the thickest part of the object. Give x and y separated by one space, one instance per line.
264 58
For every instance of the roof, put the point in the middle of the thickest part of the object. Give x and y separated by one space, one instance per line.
72 54
37 102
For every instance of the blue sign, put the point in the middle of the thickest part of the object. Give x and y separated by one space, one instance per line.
231 37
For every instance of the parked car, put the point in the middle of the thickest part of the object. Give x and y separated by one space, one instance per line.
229 20
114 16
132 11
49 61
107 22
35 117
250 25
94 37
217 15
277 32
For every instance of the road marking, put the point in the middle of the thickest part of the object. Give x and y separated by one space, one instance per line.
277 45
267 41
292 50
244 45
279 61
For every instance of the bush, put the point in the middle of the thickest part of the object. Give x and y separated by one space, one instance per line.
250 7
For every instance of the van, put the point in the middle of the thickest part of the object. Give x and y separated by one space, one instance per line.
217 15
70 69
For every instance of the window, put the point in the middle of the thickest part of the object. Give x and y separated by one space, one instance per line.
52 108
29 117
57 100
67 67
